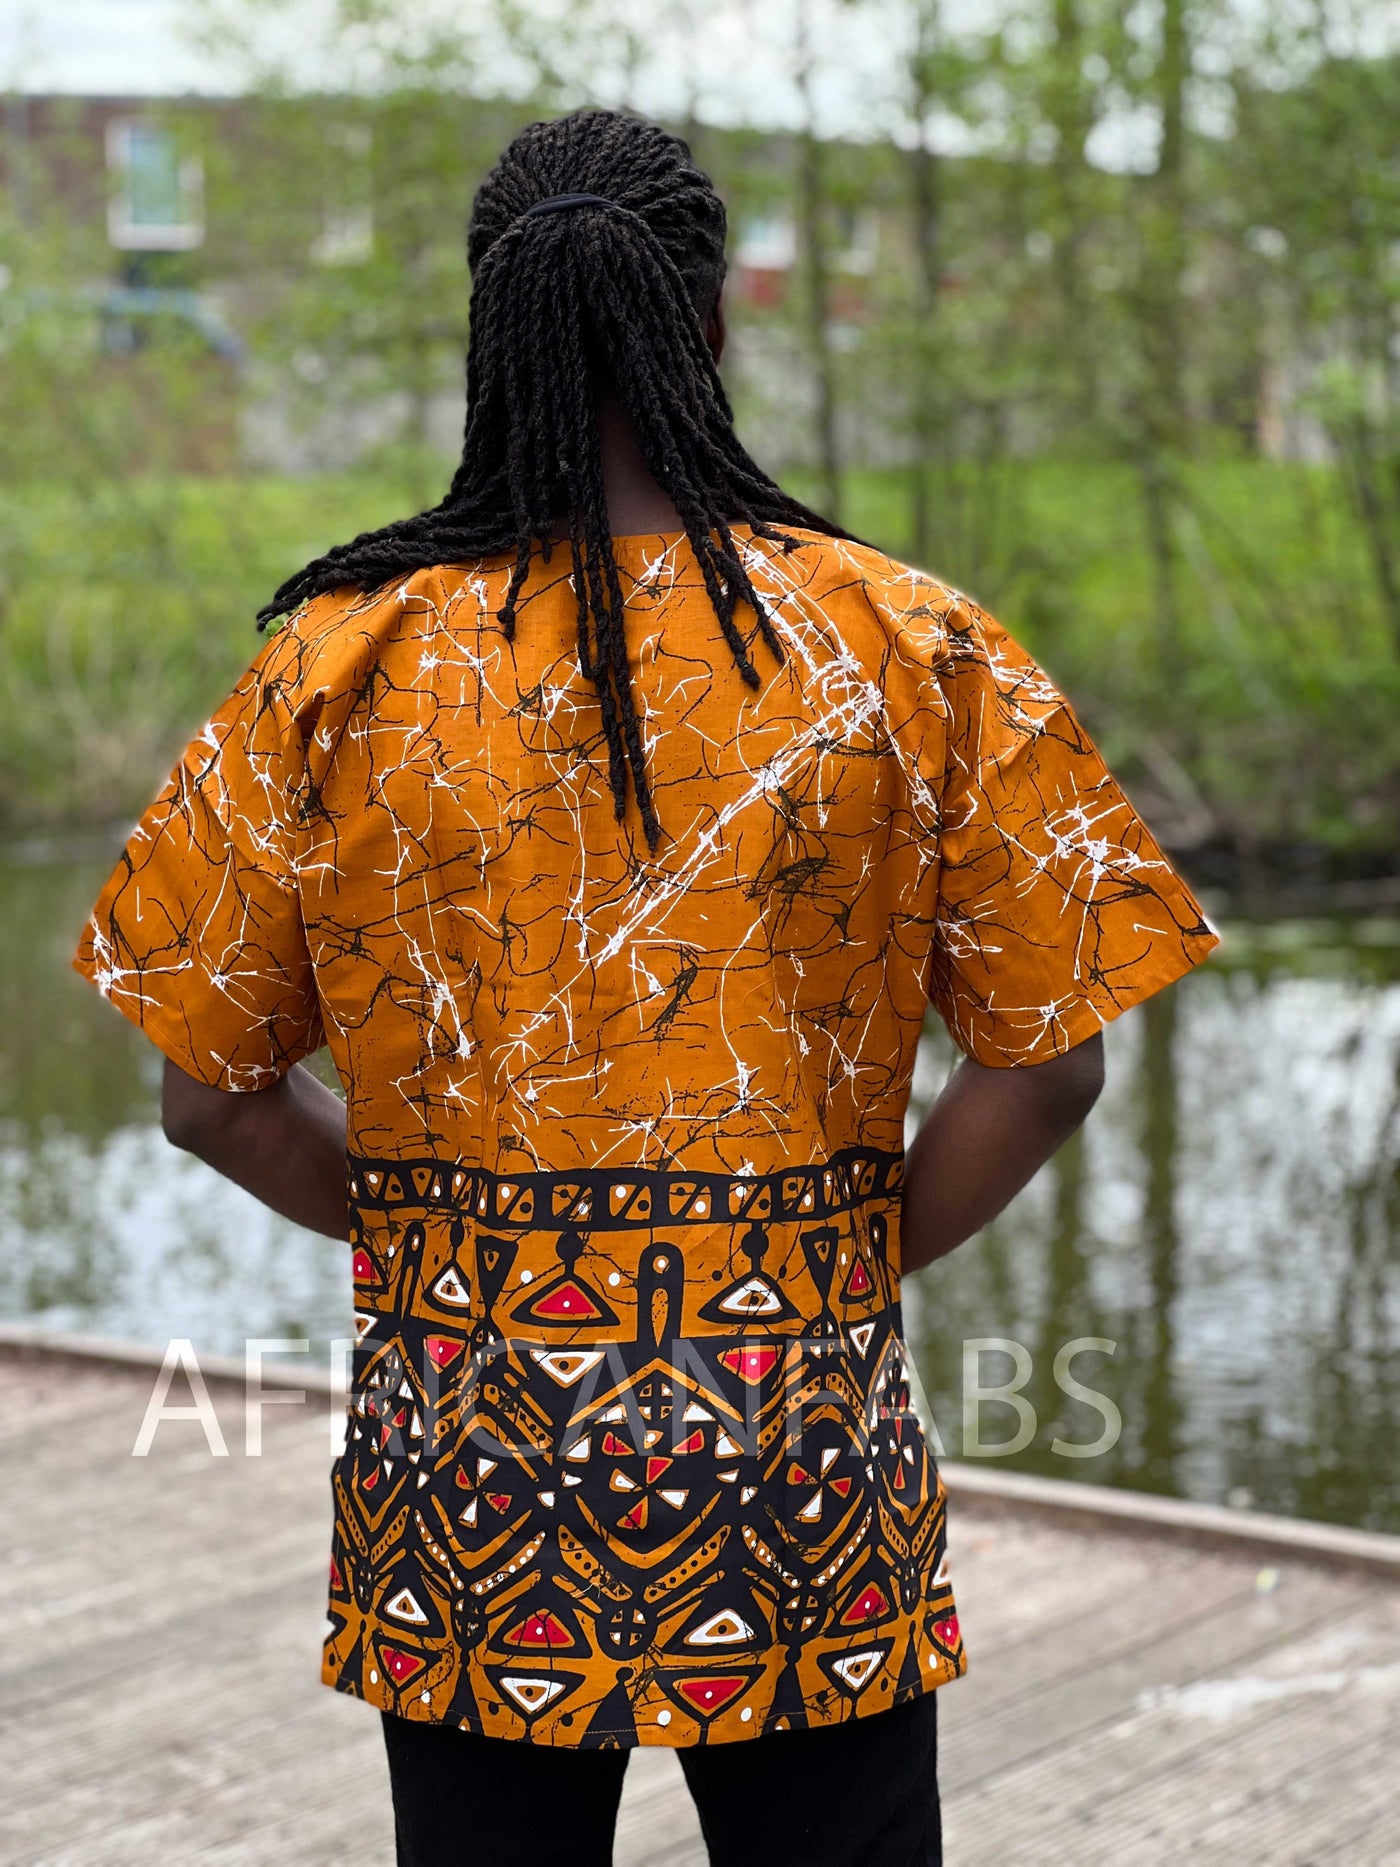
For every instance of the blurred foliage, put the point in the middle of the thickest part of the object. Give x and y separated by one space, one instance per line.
1062 385
128 613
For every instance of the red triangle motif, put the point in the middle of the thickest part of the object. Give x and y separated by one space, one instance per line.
566 1302
709 1693
401 1666
869 1605
750 1364
442 1349
858 1283
364 1268
539 1630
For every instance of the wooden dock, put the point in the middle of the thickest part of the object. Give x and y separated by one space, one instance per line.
1130 1700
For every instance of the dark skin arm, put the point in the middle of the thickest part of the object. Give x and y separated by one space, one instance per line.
987 1134
989 1131
285 1144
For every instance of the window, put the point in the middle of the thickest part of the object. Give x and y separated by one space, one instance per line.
764 254
767 243
157 199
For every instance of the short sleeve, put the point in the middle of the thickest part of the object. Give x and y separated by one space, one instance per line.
197 936
1056 908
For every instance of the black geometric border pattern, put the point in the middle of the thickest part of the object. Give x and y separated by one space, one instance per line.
627 1197
694 1537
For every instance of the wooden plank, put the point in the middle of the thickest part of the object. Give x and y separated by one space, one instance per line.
122 1574
1087 1693
657 1825
1284 1747
1058 1595
1179 1520
24 1346
1128 1700
1147 1771
191 1675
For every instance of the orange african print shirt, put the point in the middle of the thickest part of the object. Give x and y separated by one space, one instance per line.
630 1454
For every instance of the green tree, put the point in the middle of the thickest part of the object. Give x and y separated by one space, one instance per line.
1315 165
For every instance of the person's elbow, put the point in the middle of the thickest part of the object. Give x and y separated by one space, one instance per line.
182 1130
192 1115
183 1126
1078 1078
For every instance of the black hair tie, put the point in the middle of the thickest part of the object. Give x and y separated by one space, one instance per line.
556 203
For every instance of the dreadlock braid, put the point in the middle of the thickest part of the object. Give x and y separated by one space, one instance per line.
612 294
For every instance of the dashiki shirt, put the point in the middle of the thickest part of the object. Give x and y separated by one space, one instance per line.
631 1457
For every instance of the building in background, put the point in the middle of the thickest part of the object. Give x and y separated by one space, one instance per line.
301 260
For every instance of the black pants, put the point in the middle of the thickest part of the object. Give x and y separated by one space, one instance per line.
863 1794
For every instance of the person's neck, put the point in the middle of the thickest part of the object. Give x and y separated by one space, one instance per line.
636 502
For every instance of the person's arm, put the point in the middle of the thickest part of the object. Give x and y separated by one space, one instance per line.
284 1144
989 1131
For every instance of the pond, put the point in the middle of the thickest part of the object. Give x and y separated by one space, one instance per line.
1226 1229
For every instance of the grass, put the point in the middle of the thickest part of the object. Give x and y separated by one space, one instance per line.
1270 711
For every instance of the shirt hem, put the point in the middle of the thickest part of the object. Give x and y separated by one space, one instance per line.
650 1736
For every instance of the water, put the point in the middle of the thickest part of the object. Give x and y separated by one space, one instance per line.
1229 1221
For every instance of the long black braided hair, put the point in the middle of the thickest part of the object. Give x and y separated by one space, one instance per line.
612 293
